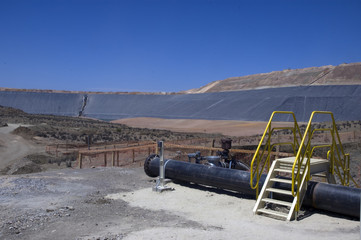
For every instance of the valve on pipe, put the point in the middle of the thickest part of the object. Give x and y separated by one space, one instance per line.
223 158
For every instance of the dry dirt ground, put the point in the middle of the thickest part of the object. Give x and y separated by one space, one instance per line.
115 203
225 127
14 147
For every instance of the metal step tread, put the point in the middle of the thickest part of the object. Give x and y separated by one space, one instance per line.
272 212
281 191
292 160
276 201
287 160
289 165
282 180
320 175
286 170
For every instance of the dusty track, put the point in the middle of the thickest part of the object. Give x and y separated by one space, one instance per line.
14 147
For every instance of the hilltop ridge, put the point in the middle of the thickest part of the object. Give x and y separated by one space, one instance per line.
343 74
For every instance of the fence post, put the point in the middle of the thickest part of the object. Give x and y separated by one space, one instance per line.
113 159
354 139
105 159
118 158
213 142
80 159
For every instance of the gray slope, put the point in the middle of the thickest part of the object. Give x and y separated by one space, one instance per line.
66 104
247 105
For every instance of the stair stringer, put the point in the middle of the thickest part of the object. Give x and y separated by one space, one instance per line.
259 203
303 187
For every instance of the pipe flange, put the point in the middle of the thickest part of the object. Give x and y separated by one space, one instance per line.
147 163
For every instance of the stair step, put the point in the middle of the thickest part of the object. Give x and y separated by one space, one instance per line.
279 202
272 212
319 175
282 180
286 170
284 165
281 191
287 160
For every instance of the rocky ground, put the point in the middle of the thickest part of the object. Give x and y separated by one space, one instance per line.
115 203
70 204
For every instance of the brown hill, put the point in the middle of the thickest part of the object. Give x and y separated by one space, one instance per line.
343 74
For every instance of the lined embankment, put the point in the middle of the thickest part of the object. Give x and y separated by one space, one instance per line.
246 105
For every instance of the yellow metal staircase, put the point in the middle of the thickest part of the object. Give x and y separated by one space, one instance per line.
286 183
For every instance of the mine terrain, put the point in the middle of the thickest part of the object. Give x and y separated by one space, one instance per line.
71 164
42 197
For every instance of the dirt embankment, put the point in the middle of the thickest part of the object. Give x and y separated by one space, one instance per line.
76 130
343 74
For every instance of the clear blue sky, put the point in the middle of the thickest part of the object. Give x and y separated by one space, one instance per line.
168 45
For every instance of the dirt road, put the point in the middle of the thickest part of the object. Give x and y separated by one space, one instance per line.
13 147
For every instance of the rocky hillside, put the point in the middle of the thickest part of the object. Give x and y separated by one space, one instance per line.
344 74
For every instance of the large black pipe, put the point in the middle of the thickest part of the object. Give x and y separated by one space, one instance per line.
329 197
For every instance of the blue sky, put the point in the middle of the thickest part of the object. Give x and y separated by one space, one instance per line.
168 45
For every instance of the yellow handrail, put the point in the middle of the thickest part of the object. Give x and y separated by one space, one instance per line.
257 158
336 163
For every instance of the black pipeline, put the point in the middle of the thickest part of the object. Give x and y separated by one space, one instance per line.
329 197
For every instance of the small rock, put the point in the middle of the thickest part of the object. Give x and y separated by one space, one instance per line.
70 208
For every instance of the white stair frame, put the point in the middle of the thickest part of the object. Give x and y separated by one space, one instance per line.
303 186
259 204
267 186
